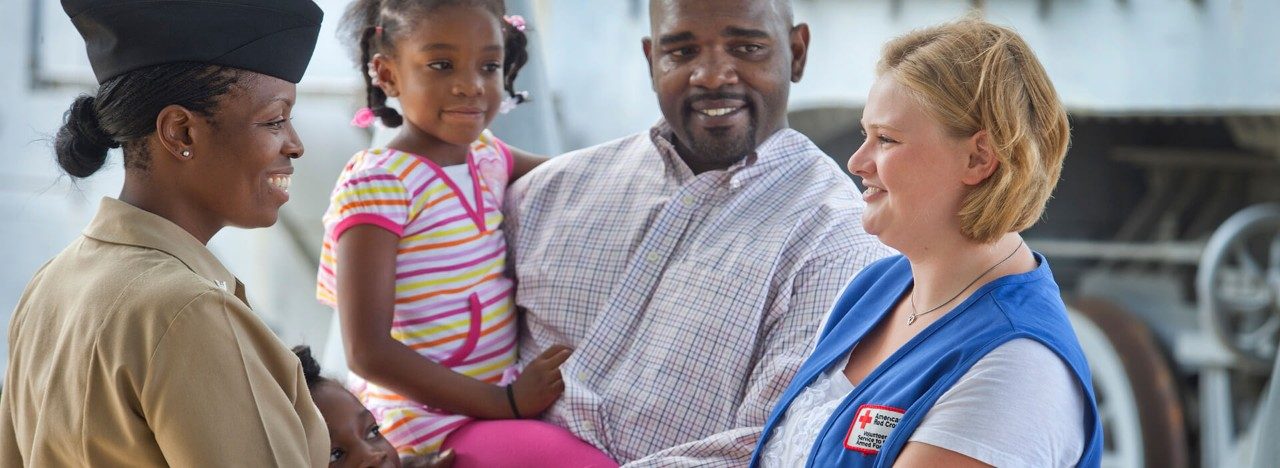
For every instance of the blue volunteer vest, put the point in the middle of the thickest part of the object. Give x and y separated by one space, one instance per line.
874 422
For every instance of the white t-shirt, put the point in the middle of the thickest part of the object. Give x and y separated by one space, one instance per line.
460 174
1017 406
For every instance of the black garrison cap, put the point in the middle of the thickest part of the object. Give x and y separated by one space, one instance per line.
272 37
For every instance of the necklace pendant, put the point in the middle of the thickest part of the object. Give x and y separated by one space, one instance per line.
911 319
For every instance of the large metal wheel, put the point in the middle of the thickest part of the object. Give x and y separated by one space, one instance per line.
1138 401
1238 284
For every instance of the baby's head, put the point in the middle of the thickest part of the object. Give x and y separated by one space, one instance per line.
354 438
448 61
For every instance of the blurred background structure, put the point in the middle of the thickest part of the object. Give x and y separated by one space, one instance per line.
1161 232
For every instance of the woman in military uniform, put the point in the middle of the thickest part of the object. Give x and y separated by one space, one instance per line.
135 346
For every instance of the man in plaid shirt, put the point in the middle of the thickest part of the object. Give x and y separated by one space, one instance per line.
689 266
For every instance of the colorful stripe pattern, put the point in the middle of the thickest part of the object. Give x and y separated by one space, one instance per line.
453 303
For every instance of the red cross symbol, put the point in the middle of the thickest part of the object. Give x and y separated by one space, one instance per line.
865 418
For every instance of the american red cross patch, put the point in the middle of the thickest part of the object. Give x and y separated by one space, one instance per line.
871 426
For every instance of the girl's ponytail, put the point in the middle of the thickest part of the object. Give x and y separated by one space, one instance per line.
517 55
362 28
375 97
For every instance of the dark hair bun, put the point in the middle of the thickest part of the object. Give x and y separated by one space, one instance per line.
310 367
82 144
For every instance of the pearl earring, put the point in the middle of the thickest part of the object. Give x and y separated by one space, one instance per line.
186 153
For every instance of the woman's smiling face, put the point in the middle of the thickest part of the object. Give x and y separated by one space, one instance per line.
911 168
242 163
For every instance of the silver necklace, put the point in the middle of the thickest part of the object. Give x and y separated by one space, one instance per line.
911 319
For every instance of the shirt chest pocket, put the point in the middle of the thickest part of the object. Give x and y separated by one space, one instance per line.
733 278
565 270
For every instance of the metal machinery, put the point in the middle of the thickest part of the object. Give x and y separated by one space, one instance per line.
1164 231
1178 309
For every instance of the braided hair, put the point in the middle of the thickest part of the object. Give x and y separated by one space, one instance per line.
372 26
123 113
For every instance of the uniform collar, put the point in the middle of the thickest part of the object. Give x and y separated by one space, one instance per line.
118 222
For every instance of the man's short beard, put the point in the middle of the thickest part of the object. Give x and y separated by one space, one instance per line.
721 149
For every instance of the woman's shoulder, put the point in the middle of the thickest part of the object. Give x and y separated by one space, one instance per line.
1038 282
126 273
1019 405
167 287
127 294
1032 302
1020 357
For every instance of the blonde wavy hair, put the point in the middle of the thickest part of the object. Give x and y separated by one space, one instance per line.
973 75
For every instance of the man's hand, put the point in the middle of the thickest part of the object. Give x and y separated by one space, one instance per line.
540 383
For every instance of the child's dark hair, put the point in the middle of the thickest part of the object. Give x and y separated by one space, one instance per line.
310 367
124 112
371 27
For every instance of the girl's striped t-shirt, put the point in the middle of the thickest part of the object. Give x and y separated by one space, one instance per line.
453 303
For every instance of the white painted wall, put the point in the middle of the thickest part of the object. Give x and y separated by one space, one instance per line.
1106 56
1168 57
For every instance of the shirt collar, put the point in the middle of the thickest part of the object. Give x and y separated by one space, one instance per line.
118 222
776 147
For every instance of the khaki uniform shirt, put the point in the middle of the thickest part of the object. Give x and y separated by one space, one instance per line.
136 347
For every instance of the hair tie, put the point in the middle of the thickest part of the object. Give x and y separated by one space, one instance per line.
511 102
363 118
516 21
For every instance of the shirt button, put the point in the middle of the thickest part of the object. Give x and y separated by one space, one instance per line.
687 200
652 257
582 376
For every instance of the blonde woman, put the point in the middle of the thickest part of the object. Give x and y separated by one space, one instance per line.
957 352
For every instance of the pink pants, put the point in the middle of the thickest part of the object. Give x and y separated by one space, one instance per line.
521 443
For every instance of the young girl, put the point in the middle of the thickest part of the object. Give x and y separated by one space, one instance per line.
413 257
354 437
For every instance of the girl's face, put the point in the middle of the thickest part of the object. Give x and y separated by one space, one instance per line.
447 72
354 438
912 170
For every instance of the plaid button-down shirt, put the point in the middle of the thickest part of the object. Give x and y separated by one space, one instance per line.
691 300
